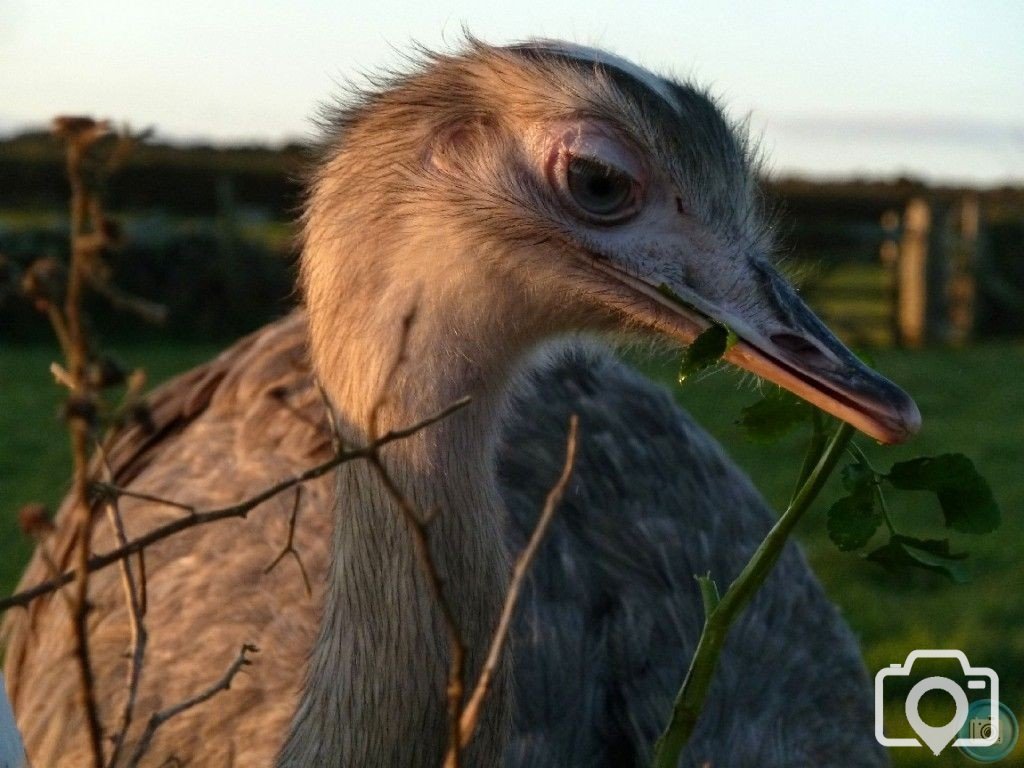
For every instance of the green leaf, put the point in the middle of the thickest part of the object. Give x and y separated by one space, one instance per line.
858 479
902 552
853 520
964 495
773 416
709 593
706 350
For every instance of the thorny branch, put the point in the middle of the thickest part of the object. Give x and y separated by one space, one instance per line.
87 227
90 161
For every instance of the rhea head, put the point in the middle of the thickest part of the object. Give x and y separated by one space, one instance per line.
518 193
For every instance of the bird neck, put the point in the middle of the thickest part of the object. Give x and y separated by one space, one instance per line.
377 678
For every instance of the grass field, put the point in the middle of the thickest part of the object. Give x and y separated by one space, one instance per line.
971 401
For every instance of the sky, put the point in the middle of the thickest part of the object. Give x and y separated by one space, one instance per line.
933 89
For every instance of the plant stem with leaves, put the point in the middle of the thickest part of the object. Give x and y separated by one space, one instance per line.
721 613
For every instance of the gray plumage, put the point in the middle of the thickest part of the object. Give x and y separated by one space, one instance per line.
656 501
354 674
608 621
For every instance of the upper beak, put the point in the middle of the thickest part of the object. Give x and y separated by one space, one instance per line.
792 348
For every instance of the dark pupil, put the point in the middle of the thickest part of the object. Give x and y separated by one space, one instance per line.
596 188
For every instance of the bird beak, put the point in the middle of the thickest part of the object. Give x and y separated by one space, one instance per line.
792 348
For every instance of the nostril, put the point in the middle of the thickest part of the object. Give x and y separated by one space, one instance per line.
798 346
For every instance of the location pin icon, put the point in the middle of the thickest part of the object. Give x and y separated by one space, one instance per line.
936 738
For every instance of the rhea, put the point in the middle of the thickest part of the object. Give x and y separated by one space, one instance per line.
526 201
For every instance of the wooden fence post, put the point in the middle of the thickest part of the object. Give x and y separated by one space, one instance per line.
939 273
912 274
961 290
889 255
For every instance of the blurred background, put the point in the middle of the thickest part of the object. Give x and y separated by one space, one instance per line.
894 134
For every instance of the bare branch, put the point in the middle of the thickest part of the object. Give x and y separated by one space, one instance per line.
289 546
159 718
471 712
139 636
113 491
80 426
137 545
149 311
417 525
134 597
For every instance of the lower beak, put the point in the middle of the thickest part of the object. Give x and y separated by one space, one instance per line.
800 355
853 393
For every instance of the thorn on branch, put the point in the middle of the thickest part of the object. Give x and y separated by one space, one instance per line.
148 311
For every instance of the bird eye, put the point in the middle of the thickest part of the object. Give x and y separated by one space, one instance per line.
605 194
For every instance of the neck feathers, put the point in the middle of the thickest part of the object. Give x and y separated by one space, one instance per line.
375 693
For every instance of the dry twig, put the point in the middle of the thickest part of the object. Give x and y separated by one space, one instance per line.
81 405
463 716
289 546
471 712
138 544
134 592
157 719
417 522
60 293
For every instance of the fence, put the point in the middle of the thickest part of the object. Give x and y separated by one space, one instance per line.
909 278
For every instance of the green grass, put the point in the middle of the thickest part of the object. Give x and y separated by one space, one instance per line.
274 234
970 402
35 459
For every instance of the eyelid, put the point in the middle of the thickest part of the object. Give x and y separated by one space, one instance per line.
597 143
558 160
607 150
600 162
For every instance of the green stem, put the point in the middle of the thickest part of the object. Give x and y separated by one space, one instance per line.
863 459
690 699
814 449
885 509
